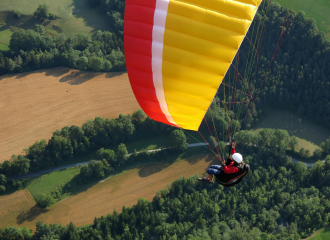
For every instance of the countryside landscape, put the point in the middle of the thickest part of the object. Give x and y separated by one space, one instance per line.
83 157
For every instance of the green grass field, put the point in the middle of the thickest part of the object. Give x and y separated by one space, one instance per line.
5 37
317 9
309 135
4 47
73 17
324 234
52 181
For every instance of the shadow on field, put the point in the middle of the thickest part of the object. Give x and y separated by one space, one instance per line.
56 72
148 170
192 156
30 215
113 74
79 77
25 22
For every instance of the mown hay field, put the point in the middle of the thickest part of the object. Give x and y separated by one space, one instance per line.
33 105
113 193
18 208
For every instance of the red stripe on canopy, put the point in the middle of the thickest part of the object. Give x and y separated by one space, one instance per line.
138 26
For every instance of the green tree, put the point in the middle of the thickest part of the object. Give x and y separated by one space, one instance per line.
2 189
106 154
178 140
122 152
42 11
82 63
302 152
45 200
3 179
326 146
17 14
139 115
293 142
40 29
317 153
96 63
107 65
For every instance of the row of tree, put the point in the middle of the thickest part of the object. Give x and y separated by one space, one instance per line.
34 49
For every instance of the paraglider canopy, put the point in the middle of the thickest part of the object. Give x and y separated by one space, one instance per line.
177 53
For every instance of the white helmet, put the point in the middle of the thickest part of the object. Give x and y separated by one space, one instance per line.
237 157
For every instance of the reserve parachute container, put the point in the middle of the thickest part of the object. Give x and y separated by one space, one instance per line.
177 53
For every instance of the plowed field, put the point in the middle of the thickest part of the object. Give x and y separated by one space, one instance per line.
33 105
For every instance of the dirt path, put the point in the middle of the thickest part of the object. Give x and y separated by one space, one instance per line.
35 104
113 193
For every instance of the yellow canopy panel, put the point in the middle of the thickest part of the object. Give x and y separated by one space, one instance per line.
177 53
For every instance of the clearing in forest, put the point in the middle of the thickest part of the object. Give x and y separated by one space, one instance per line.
33 105
113 193
317 9
309 135
73 17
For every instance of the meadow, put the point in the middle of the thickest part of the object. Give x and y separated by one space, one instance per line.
322 234
317 9
50 182
73 16
309 135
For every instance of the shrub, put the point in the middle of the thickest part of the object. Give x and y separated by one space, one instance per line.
51 16
17 14
45 200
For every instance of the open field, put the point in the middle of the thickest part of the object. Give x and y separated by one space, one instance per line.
309 135
120 190
17 208
37 103
49 182
317 9
74 17
322 234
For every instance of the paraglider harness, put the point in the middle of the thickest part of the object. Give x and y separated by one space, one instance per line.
232 179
